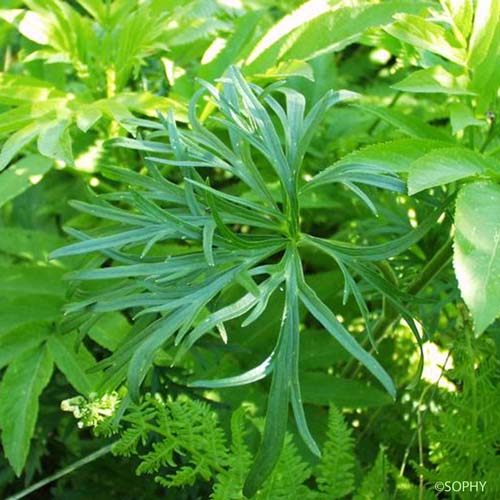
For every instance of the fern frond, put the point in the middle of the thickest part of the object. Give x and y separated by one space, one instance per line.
335 475
129 441
188 440
160 456
288 478
185 476
229 483
464 440
374 485
197 428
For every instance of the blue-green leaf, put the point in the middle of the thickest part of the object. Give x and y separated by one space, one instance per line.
325 316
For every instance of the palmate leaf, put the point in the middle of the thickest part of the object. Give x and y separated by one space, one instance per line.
340 249
177 298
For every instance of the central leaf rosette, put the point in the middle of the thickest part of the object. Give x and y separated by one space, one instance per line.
253 241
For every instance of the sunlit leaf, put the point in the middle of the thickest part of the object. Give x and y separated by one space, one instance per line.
477 251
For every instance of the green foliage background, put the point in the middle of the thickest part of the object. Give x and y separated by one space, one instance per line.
249 248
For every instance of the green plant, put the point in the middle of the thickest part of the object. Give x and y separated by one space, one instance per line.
463 68
165 432
244 228
83 84
73 66
466 434
262 259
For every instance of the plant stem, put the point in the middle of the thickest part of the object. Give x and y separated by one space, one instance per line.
471 384
387 271
421 491
422 414
440 260
489 136
63 472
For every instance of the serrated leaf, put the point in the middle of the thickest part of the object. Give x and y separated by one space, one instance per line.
28 308
444 166
433 80
477 251
28 244
22 384
31 279
395 156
